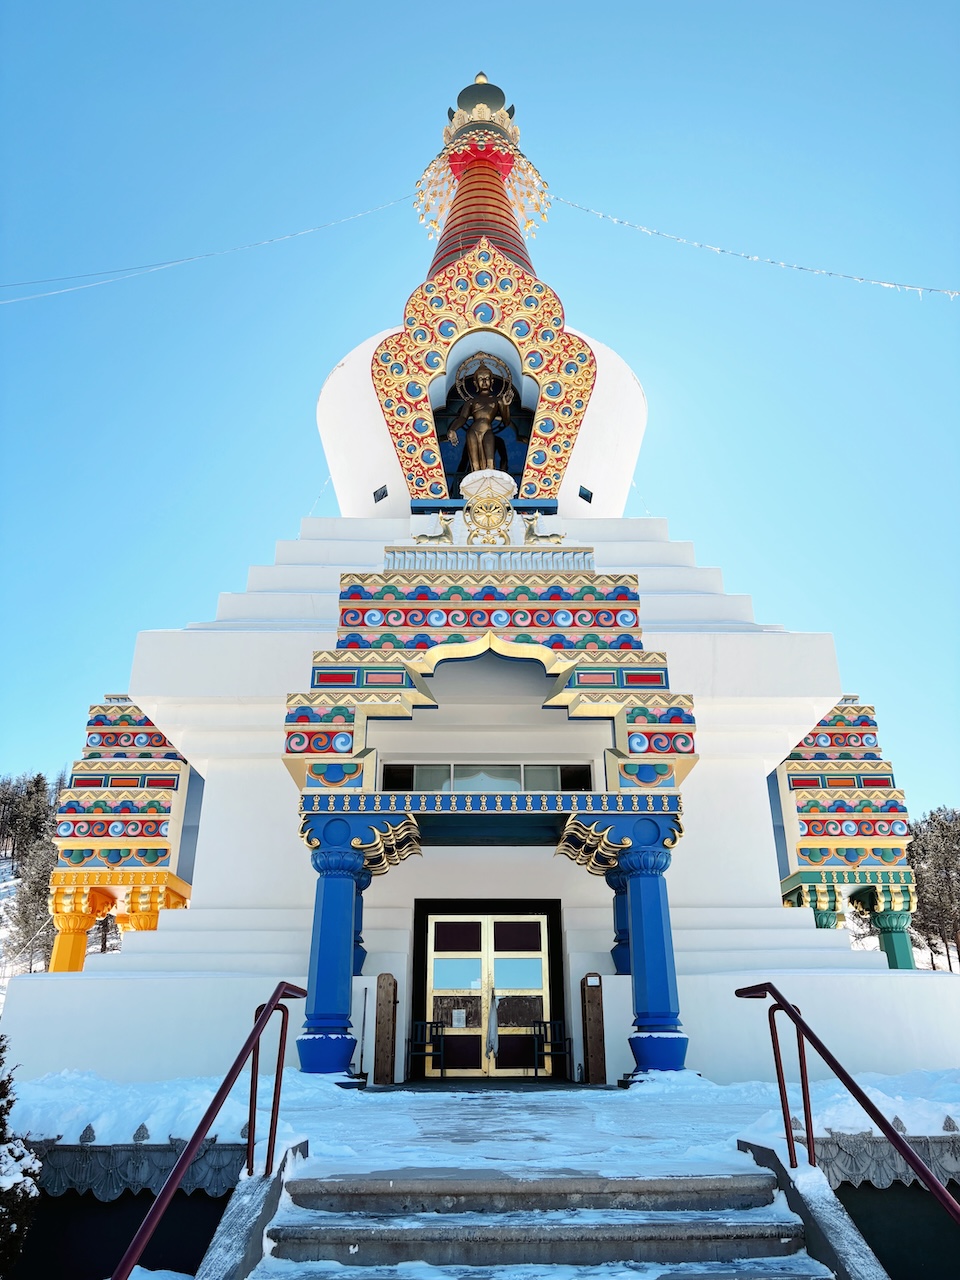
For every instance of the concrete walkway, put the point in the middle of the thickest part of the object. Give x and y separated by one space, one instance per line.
649 1130
531 1184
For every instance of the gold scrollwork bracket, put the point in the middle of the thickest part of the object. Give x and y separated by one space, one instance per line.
388 848
590 847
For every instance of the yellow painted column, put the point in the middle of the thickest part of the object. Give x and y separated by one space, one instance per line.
75 910
70 945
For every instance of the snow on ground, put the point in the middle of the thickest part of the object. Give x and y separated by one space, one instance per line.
669 1123
141 1273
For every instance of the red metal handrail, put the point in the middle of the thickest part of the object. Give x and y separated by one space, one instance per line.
804 1032
251 1046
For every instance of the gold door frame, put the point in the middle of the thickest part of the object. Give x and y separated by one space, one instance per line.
485 990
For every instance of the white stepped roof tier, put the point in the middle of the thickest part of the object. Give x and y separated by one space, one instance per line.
300 590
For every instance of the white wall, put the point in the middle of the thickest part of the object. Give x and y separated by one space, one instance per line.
166 1025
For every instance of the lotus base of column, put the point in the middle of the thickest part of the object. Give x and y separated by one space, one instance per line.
325 1054
659 1051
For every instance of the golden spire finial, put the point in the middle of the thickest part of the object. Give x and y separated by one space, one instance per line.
481 127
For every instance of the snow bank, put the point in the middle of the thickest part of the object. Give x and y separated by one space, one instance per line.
62 1105
671 1116
926 1103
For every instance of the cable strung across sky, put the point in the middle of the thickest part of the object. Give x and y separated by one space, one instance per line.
116 274
147 268
919 289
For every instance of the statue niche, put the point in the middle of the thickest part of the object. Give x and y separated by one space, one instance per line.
495 428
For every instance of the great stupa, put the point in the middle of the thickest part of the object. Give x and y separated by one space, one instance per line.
481 755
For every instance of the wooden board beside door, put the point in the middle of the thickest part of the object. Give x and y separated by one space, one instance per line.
385 1029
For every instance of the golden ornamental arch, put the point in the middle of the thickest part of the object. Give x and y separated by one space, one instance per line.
484 290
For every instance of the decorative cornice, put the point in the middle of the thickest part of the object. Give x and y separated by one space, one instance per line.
491 803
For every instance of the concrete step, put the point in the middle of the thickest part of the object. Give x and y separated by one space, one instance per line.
782 959
482 1191
283 964
739 916
337 528
349 553
247 919
797 1266
219 942
825 940
546 1237
629 529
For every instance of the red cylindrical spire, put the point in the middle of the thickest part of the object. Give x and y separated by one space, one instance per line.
496 189
481 207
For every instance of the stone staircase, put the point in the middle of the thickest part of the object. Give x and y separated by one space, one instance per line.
473 1225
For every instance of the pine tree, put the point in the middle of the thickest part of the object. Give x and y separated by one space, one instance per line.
26 810
31 933
18 1172
934 855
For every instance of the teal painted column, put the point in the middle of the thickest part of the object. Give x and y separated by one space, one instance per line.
890 908
894 938
325 1045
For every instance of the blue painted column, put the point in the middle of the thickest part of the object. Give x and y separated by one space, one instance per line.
620 951
326 1045
359 950
659 1044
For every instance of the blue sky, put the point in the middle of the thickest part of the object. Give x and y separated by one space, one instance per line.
159 432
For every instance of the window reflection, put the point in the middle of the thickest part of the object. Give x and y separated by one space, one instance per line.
542 777
460 974
431 777
513 974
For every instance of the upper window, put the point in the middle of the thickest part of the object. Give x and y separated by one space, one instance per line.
487 777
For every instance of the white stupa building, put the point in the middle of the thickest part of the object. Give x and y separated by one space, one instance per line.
543 772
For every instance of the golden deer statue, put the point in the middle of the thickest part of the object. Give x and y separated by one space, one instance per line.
533 539
445 534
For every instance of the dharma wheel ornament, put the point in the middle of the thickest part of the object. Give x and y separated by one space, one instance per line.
488 512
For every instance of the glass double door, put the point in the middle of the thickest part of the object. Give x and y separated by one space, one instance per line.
488 985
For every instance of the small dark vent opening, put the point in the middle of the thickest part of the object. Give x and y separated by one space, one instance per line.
380 494
576 777
398 777
586 494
